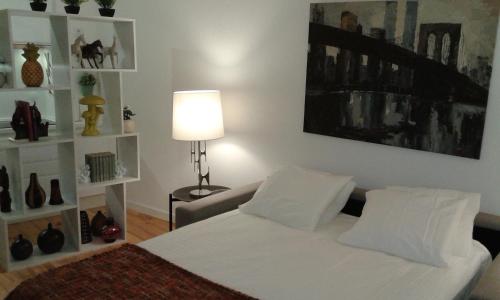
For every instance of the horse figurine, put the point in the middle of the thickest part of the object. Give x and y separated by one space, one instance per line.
76 47
92 51
112 53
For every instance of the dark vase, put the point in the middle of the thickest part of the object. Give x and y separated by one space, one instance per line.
37 6
107 12
55 193
51 240
35 195
5 200
98 222
111 231
21 249
86 231
72 9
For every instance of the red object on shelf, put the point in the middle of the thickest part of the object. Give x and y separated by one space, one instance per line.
111 231
27 122
28 119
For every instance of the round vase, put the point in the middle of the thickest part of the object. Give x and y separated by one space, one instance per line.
51 240
107 12
129 126
21 249
35 195
38 6
97 223
111 231
55 193
87 90
72 9
32 71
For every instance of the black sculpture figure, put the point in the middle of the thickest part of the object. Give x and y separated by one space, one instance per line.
27 122
5 200
92 51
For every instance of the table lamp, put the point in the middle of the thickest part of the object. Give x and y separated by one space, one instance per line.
197 118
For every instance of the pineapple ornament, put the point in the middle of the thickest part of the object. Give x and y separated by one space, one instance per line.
32 71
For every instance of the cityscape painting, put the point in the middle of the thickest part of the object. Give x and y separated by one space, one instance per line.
412 74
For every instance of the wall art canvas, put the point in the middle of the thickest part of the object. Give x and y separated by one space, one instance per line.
412 74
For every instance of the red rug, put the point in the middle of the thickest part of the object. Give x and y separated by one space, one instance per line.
128 272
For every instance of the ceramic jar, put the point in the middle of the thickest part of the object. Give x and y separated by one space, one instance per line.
55 193
32 71
129 126
86 231
21 249
51 240
5 199
111 231
35 195
98 222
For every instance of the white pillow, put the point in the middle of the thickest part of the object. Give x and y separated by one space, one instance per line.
336 206
462 241
295 197
417 227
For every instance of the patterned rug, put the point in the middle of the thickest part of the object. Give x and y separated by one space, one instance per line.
128 272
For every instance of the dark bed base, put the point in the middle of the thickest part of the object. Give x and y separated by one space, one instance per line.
490 238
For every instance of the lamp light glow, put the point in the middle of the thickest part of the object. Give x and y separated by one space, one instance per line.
197 116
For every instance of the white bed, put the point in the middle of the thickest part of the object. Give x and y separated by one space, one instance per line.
267 260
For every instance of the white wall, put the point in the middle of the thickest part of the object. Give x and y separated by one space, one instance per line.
255 52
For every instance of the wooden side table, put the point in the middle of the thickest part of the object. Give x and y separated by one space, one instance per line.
183 195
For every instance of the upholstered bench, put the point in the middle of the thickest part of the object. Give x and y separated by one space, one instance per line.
213 205
488 287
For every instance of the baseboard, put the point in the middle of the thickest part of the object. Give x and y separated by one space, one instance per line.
149 210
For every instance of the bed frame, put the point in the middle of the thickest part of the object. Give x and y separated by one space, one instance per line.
486 231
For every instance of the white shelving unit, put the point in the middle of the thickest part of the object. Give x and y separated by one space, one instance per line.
61 155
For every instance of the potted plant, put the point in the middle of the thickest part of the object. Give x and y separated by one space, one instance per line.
87 83
73 6
106 9
38 5
128 123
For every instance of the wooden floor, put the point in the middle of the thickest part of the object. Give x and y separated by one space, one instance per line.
141 227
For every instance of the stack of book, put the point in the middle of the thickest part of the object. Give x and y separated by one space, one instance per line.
102 166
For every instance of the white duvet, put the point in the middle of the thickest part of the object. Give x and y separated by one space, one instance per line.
267 260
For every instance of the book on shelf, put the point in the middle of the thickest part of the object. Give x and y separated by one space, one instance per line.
102 166
100 159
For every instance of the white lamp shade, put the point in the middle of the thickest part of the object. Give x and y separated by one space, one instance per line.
197 116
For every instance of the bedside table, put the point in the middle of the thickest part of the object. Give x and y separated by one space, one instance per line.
183 195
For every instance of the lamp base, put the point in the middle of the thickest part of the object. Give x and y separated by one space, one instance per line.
197 194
